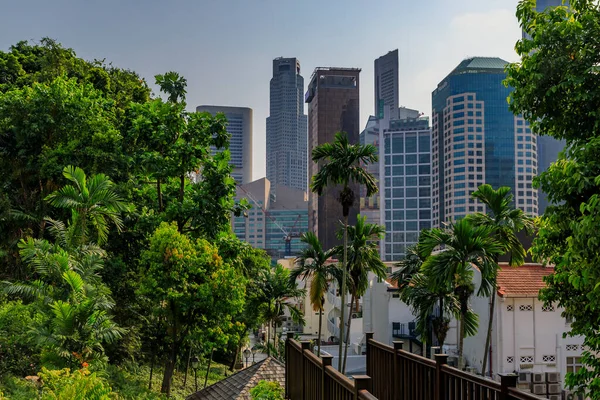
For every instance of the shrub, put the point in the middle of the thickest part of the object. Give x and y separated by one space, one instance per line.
17 354
266 390
81 384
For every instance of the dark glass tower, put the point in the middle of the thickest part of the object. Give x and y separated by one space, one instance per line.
333 105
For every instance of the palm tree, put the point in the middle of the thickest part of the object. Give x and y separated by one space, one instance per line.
505 221
312 264
279 291
462 247
93 204
363 258
343 163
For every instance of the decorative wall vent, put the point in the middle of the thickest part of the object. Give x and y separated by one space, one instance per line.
526 359
549 358
548 308
509 308
510 359
526 307
572 347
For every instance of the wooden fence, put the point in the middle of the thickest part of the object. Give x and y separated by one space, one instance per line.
392 374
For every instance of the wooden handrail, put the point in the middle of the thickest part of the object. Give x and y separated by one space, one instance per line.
517 394
417 358
365 395
339 378
470 377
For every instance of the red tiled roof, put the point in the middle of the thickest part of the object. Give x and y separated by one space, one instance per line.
393 285
523 281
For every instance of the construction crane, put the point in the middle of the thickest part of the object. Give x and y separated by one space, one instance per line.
288 236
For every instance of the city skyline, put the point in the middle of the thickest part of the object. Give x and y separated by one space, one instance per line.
234 67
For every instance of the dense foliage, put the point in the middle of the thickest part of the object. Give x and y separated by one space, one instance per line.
556 89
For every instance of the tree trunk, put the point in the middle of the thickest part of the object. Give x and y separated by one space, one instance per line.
208 368
486 349
319 337
159 195
169 369
441 342
235 358
343 290
151 371
348 335
187 366
461 340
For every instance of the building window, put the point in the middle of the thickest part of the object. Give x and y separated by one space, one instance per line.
526 359
548 308
526 307
510 359
572 347
549 359
509 308
573 364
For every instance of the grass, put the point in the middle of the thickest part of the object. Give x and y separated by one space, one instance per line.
128 381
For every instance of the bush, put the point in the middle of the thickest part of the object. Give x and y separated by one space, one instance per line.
266 390
18 356
81 384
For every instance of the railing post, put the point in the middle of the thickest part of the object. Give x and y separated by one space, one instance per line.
305 346
361 382
507 381
369 336
396 389
290 335
440 388
327 359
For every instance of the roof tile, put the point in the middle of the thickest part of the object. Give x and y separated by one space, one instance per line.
523 281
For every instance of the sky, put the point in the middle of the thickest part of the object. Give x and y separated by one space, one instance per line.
225 48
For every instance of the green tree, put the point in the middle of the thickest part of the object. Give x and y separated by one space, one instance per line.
343 164
363 258
192 290
556 90
313 266
463 246
281 294
266 390
505 222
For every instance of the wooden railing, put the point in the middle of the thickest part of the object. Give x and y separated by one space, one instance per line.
309 377
392 374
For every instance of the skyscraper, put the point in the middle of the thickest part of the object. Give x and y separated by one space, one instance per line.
287 160
386 85
407 184
476 140
548 147
333 105
239 126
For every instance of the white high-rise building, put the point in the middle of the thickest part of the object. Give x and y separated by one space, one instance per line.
239 126
287 135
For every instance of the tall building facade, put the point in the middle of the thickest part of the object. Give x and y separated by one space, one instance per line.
333 105
272 222
239 126
370 206
476 140
406 185
287 148
386 85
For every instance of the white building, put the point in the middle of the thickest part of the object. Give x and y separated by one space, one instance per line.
527 337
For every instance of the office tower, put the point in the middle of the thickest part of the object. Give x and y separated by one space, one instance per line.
386 85
287 160
406 185
273 224
476 140
369 206
333 105
239 126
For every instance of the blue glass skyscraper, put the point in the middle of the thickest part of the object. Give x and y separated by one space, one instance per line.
476 140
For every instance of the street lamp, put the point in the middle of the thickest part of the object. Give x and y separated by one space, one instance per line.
195 367
254 350
247 354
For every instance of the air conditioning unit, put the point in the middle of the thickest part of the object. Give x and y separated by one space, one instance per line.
538 377
524 377
568 395
553 388
525 386
554 397
538 388
552 377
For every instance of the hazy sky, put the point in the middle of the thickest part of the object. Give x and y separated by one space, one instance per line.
225 47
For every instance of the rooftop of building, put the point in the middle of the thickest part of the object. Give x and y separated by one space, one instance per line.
238 385
479 65
523 281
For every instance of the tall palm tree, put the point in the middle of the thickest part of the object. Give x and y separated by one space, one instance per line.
280 294
342 164
462 247
93 204
505 221
312 264
363 258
